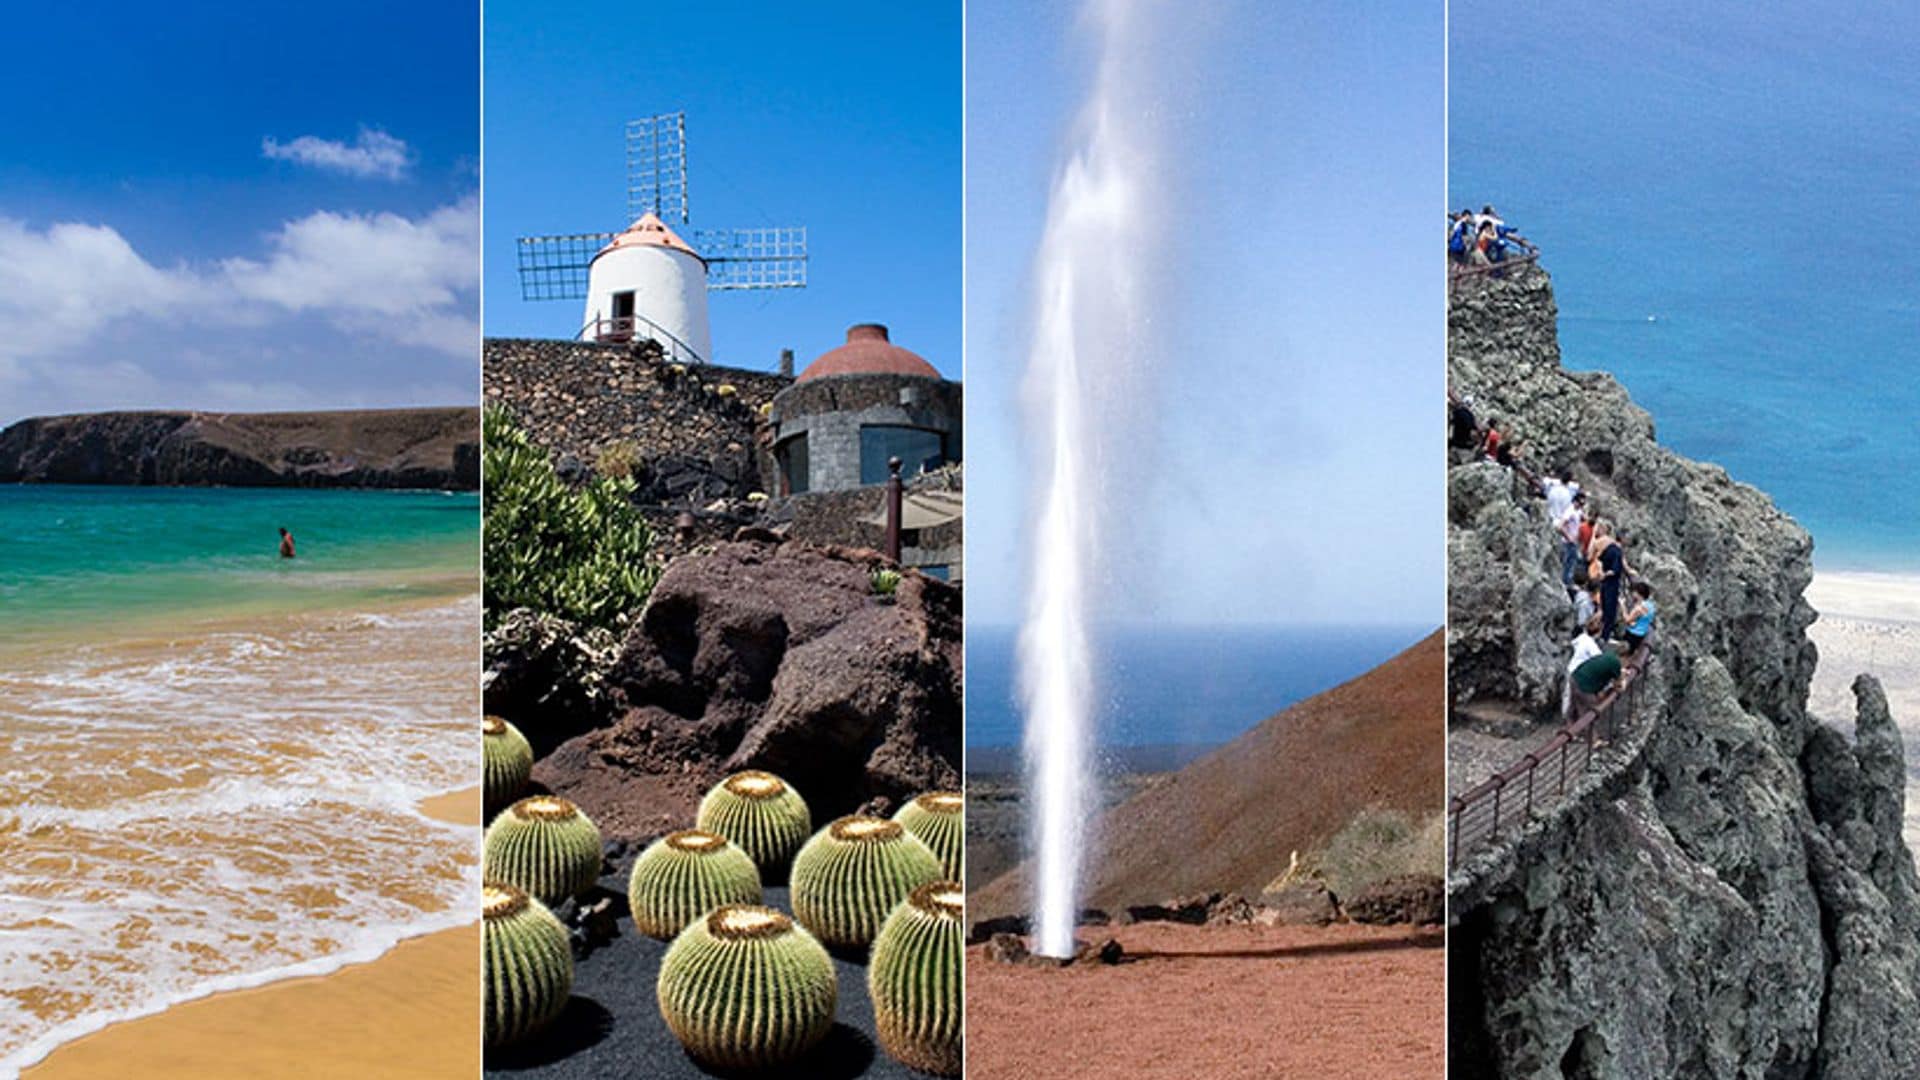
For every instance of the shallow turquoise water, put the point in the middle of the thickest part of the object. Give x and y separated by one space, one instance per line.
1726 197
78 558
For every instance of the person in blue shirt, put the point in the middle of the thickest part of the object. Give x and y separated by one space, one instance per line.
1640 616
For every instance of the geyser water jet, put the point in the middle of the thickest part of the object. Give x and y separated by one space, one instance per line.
1095 244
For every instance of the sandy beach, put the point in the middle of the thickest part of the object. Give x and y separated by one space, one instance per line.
1870 624
410 1013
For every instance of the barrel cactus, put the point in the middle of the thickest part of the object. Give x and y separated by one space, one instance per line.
938 818
684 875
745 987
546 846
914 979
762 815
509 763
529 964
851 874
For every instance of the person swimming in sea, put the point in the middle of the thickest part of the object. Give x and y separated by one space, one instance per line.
286 543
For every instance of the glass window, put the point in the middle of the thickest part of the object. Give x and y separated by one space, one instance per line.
792 456
917 448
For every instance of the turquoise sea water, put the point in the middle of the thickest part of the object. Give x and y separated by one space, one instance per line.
1727 198
83 558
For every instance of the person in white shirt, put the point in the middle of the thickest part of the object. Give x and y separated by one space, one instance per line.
1560 491
1585 647
1567 523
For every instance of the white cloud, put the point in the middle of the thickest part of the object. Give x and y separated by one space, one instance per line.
374 153
356 264
335 310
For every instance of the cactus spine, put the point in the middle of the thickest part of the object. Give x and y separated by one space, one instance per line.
545 846
938 818
762 815
529 964
851 874
509 763
914 979
746 988
684 875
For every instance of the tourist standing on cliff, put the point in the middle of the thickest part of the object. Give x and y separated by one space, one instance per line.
1490 445
1565 510
1586 646
286 543
1640 616
1609 561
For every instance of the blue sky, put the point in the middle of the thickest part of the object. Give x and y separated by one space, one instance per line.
1288 468
260 207
841 117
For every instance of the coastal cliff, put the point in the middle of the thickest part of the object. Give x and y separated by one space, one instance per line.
364 448
1736 899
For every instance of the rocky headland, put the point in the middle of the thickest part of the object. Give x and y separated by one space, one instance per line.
363 448
1732 897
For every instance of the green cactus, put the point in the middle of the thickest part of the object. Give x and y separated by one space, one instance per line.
509 763
747 988
938 818
885 582
529 964
684 875
762 815
851 874
546 846
914 979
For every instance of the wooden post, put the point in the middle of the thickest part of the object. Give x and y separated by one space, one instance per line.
893 509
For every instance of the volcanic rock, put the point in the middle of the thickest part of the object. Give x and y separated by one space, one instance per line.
1735 899
364 448
1419 899
1005 948
547 676
774 656
1300 903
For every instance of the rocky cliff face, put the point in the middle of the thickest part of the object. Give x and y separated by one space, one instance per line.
377 448
1740 903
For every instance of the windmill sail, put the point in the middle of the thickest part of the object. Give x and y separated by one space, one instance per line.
754 258
657 167
555 267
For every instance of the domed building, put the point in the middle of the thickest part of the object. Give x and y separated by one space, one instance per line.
858 405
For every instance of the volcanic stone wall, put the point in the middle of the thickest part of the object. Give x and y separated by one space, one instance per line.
696 431
832 409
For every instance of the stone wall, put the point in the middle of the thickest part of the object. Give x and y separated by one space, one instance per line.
831 410
697 432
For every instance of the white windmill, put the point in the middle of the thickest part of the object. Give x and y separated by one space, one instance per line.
648 282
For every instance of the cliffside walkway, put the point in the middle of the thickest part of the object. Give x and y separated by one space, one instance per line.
1541 778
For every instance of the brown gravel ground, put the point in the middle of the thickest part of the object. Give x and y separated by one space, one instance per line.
1223 1003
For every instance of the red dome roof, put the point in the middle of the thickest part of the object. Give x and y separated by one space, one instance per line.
868 352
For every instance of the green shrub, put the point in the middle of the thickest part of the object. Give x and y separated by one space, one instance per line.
1377 844
885 582
584 554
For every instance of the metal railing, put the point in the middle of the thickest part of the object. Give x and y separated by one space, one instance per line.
624 328
1459 272
1540 780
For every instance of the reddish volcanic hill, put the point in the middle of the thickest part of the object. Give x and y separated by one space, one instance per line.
1232 820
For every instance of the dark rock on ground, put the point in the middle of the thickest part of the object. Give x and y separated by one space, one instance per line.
1013 925
547 676
1419 899
763 655
1301 903
1006 948
363 448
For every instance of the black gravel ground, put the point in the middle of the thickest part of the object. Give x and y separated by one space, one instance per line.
612 1025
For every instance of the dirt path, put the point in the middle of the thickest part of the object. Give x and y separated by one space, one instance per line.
1227 1003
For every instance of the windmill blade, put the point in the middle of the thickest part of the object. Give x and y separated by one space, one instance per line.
555 267
754 258
657 167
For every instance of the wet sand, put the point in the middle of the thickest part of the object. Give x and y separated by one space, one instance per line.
455 807
1226 1003
1870 624
414 1012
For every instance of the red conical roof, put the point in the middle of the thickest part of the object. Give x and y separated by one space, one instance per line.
868 352
652 232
